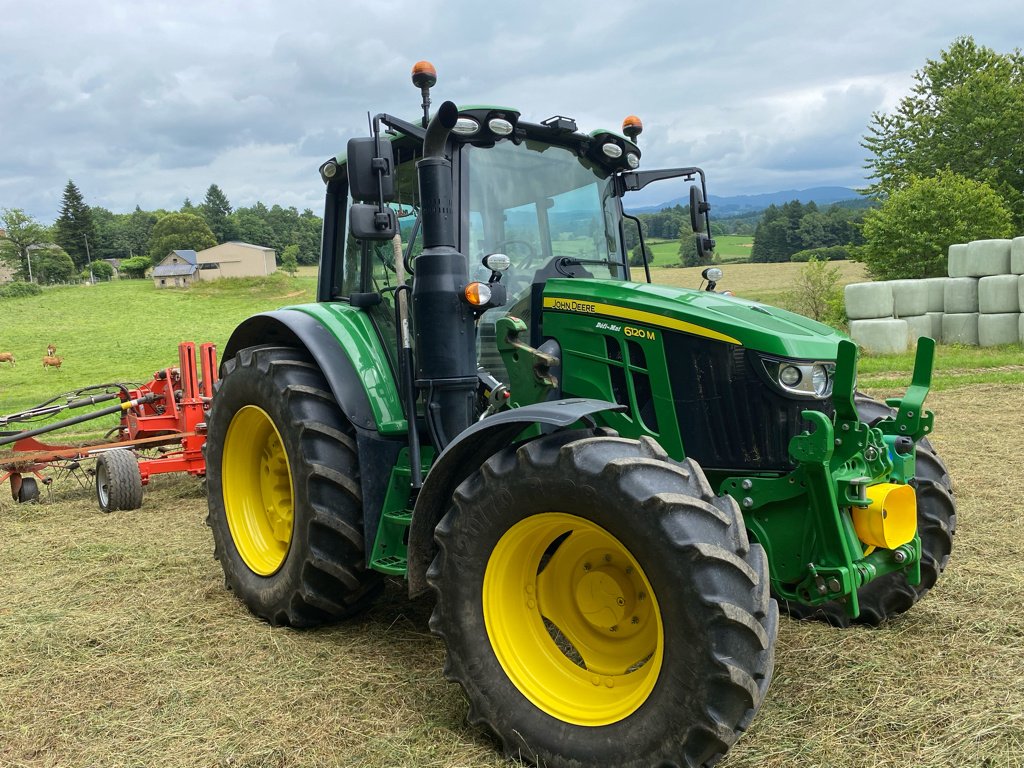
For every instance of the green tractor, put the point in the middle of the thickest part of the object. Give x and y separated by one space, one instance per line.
610 486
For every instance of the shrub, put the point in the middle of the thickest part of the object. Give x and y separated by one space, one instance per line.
832 253
19 290
816 293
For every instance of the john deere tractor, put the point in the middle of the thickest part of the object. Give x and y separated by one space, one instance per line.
610 486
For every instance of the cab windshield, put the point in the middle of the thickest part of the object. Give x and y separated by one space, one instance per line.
541 205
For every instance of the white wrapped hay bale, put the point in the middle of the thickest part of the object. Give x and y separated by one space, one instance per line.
999 329
988 257
1020 292
936 320
1017 256
867 301
909 297
999 294
956 266
961 328
885 336
1021 329
918 326
936 293
960 294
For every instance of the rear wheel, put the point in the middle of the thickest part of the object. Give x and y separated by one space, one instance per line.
284 494
891 594
118 480
601 606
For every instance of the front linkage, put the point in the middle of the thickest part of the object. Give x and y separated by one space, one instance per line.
845 515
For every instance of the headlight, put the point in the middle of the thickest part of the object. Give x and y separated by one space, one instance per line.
500 126
466 126
633 160
612 150
798 377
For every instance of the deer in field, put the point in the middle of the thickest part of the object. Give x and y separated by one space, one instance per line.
7 357
51 350
55 362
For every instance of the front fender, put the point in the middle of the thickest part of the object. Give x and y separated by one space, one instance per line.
466 453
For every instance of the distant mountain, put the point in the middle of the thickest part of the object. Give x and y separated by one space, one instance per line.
738 205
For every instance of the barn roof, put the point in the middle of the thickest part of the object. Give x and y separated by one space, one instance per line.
174 270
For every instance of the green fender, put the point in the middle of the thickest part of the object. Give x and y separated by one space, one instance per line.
345 345
466 453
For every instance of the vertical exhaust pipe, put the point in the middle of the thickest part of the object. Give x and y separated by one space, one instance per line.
444 322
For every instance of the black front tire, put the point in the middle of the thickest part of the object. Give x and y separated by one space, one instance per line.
891 595
320 575
714 620
118 480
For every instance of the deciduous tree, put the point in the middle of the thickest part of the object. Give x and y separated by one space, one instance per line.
22 232
179 231
965 112
910 234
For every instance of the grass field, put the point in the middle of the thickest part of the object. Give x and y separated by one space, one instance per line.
728 248
119 645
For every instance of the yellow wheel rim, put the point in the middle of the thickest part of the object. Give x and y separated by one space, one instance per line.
572 619
257 487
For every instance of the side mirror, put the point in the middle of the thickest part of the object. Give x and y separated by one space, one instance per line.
366 166
367 223
697 209
705 246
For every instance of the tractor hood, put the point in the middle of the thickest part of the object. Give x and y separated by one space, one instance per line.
724 318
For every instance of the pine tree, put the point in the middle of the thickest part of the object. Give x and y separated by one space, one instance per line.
74 226
216 210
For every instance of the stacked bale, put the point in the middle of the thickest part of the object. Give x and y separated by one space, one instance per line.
981 302
911 300
869 306
999 305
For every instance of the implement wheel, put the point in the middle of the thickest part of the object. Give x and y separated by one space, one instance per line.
118 480
601 606
28 490
890 595
284 495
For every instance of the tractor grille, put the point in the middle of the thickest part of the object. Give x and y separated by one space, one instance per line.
730 417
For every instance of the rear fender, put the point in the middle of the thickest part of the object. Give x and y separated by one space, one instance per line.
467 453
288 327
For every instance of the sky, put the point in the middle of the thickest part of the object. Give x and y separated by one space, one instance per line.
148 103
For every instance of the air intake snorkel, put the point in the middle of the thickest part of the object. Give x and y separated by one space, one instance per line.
444 322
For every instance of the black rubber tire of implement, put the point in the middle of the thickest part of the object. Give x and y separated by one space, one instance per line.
28 490
323 577
118 480
891 595
710 582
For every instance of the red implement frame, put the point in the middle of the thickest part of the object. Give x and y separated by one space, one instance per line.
171 417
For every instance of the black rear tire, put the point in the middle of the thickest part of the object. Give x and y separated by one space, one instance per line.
118 480
314 572
525 515
891 595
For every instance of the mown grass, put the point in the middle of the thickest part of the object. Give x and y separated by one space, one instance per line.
119 646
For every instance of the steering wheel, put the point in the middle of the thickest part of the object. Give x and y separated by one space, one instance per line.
531 252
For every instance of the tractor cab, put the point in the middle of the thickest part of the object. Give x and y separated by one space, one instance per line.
543 194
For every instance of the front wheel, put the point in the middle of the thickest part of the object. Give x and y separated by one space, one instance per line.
601 606
284 495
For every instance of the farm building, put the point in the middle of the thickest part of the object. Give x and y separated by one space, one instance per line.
179 269
236 260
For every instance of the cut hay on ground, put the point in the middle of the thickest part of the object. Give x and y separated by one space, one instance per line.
120 647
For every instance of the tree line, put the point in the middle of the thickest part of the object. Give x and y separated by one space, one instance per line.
83 237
